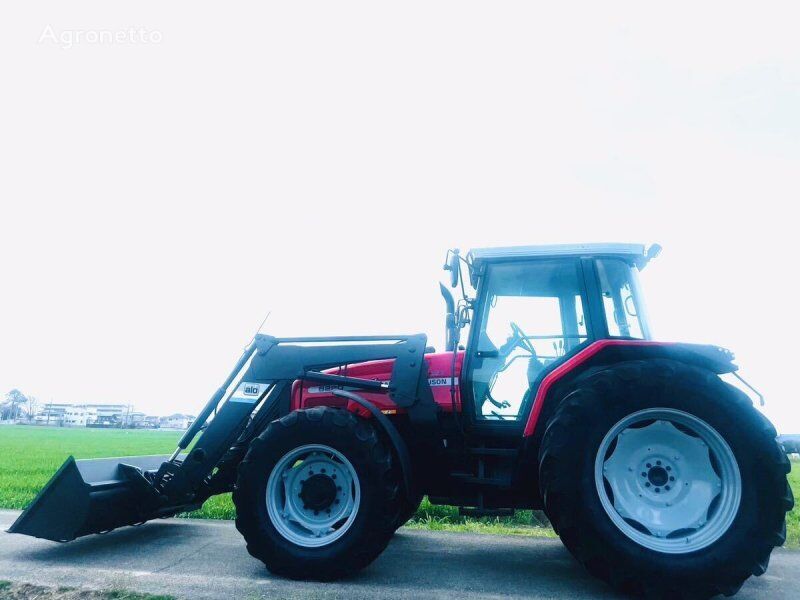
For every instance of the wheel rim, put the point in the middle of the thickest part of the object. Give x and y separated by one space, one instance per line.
668 480
313 495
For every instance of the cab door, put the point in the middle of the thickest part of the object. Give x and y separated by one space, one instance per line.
530 316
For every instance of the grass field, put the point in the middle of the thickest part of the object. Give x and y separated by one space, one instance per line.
30 455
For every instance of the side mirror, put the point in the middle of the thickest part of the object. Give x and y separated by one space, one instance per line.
652 252
453 265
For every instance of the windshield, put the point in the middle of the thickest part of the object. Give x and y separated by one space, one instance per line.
622 299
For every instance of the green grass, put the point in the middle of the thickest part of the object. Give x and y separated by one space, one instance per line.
20 591
30 455
128 595
793 518
446 518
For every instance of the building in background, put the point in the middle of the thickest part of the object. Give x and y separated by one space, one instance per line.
51 414
136 420
75 416
110 413
177 421
105 416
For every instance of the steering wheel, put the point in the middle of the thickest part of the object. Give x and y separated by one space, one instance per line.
522 338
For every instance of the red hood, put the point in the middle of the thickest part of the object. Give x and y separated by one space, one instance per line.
440 367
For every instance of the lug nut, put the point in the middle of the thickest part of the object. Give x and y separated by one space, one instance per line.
671 478
669 468
666 487
644 474
658 490
649 465
647 484
658 462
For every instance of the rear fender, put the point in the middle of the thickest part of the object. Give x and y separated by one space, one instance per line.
556 383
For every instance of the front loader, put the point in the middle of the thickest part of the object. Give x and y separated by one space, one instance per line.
659 476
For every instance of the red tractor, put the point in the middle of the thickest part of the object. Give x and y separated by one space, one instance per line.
660 477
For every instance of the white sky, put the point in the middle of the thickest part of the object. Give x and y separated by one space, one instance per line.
316 159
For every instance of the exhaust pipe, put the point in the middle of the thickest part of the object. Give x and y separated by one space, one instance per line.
94 496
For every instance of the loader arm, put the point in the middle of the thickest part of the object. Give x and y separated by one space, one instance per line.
131 490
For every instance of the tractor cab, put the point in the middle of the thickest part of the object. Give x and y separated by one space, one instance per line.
534 307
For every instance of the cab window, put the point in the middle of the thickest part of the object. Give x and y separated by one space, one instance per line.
622 303
532 315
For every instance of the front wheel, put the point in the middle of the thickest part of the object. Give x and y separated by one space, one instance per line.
677 486
316 496
408 508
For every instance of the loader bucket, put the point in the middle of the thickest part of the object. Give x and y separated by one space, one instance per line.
90 496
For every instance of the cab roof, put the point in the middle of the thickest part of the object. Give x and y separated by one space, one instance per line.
635 253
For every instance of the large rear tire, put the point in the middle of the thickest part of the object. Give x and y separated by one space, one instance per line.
316 495
664 481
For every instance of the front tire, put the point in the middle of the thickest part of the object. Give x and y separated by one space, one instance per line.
408 508
720 476
316 496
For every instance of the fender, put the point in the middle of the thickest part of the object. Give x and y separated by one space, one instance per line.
606 352
400 447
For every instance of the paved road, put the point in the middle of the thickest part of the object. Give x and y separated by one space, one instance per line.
207 559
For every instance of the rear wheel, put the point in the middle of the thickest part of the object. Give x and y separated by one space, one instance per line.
677 486
316 496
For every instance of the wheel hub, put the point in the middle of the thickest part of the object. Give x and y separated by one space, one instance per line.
313 495
668 480
657 476
318 492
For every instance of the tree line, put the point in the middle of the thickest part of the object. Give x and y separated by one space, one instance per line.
17 405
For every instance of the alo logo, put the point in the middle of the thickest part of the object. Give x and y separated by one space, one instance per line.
250 389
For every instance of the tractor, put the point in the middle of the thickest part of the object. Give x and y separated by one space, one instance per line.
655 470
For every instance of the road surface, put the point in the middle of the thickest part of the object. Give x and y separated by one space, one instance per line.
207 559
